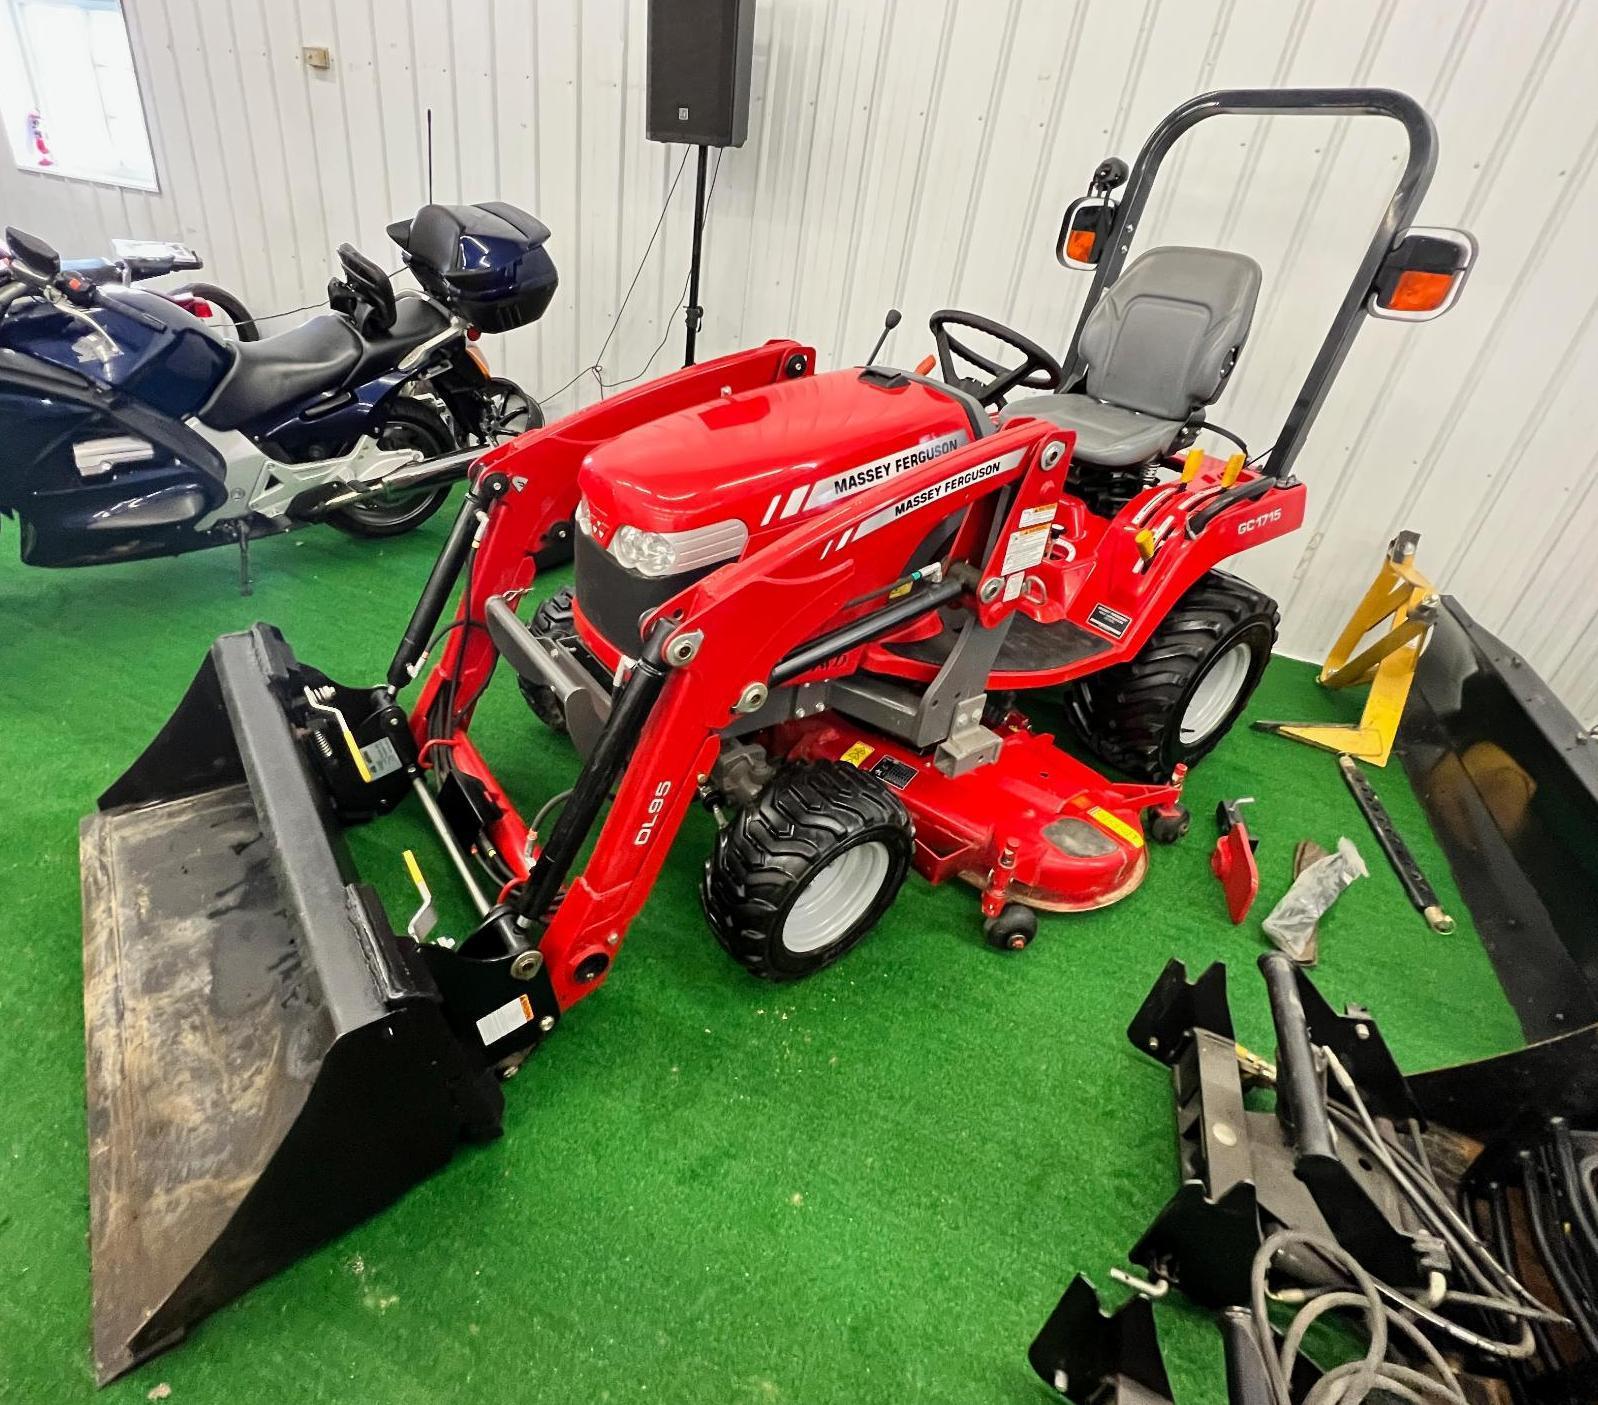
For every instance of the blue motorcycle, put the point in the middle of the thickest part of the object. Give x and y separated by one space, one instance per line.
132 430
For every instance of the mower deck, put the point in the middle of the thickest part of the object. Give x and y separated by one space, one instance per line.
1034 826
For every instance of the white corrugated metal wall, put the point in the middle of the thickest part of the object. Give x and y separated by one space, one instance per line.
918 153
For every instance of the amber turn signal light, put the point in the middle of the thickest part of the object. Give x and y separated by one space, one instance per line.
1420 292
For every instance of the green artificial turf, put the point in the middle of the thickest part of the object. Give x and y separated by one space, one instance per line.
869 1186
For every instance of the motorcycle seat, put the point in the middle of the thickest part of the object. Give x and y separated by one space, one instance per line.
277 373
415 320
274 376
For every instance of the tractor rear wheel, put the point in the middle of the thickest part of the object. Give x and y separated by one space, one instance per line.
1180 693
802 874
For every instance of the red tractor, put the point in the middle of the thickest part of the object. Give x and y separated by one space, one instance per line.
809 601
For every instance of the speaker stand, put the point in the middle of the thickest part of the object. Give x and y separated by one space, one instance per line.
694 314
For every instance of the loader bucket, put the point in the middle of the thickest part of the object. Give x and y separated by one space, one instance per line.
267 1062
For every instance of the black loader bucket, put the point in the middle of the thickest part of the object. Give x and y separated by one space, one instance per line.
267 1062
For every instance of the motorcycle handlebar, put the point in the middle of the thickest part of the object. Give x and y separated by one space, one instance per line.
10 292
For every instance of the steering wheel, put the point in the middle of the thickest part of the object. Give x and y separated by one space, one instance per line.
1040 371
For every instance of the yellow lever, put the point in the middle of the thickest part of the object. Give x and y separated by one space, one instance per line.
420 927
1192 464
361 768
1234 466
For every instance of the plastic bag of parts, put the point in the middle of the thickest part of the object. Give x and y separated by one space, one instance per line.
1291 925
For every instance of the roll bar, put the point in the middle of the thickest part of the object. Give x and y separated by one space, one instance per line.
1282 102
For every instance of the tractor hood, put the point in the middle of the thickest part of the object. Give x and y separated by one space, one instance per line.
770 456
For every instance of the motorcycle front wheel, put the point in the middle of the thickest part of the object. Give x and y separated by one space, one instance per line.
508 410
407 424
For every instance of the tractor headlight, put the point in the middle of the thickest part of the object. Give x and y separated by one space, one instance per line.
670 553
648 553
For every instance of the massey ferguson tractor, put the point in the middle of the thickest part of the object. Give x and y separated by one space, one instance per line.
813 602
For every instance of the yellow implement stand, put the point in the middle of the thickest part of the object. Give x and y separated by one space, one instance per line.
1405 599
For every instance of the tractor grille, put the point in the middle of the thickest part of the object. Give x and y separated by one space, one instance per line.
613 599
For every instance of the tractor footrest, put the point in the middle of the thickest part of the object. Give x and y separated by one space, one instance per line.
1029 647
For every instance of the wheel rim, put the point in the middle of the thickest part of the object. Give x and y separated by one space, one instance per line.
510 412
1217 693
837 896
388 509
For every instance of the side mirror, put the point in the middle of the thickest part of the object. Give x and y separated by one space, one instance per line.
1422 274
34 260
1085 231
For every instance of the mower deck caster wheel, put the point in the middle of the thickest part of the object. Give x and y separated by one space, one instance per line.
1013 929
1167 823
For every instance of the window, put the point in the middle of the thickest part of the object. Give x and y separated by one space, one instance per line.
69 98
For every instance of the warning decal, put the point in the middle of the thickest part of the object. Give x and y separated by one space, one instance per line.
1116 826
1025 549
381 758
856 754
510 1017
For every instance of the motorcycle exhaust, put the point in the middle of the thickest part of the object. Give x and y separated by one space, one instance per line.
315 504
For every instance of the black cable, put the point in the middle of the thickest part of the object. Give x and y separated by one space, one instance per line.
442 729
1387 1309
682 299
1509 1252
1205 425
615 321
309 307
638 273
1565 1159
443 633
465 624
1542 1235
1263 454
559 798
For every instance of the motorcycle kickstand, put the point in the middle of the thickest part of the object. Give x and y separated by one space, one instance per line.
246 586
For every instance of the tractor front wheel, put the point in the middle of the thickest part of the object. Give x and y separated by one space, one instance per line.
553 619
1180 693
802 874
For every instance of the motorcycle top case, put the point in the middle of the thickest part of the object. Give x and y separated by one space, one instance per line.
486 261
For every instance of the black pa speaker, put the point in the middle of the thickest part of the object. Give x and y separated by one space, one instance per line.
700 54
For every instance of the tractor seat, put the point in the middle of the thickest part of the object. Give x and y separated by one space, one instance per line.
1159 346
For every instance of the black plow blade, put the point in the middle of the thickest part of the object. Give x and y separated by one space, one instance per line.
267 1062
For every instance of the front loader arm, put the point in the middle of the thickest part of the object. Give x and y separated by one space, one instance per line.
721 643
